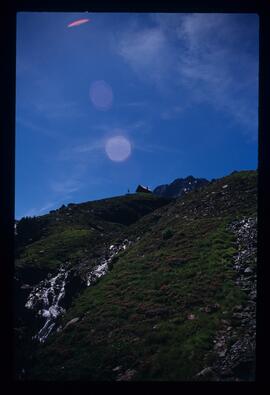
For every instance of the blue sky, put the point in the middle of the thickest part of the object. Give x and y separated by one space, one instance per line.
131 98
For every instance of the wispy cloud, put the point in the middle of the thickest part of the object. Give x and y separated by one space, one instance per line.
152 148
201 56
66 186
120 126
32 125
134 104
216 70
42 94
82 161
147 51
82 152
89 147
172 112
140 48
70 180
39 211
58 109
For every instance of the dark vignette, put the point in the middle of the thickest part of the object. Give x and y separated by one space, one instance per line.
7 145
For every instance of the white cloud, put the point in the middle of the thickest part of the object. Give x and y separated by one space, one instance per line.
89 147
146 51
39 94
67 186
52 109
218 71
142 47
207 57
26 123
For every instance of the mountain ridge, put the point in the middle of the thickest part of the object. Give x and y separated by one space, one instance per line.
162 288
180 186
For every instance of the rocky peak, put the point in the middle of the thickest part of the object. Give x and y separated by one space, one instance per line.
180 186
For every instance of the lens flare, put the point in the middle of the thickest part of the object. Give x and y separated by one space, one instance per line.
101 95
78 22
118 148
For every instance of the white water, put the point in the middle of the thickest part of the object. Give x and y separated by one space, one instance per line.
46 298
102 268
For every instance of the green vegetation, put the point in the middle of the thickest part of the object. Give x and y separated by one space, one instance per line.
56 249
147 313
167 234
78 232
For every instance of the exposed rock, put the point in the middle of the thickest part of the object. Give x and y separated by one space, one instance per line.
49 299
72 322
105 261
180 186
210 308
207 374
117 368
235 346
46 299
143 189
238 307
127 376
26 286
222 353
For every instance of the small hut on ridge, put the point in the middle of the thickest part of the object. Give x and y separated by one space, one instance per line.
143 189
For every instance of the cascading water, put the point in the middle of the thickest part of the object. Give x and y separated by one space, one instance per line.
102 268
46 299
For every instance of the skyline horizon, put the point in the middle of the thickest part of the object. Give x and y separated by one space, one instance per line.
134 192
114 100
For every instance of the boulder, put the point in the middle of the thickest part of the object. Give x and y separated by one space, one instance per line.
207 374
127 376
72 322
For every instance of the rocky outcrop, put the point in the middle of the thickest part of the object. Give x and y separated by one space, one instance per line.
105 261
50 298
143 189
180 186
72 322
180 304
128 375
235 342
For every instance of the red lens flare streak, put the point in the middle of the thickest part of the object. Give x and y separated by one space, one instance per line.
78 22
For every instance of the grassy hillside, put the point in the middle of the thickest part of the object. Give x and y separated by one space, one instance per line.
155 315
79 231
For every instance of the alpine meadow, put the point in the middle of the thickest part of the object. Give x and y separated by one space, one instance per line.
136 197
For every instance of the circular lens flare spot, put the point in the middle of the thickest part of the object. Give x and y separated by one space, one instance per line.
101 95
118 148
